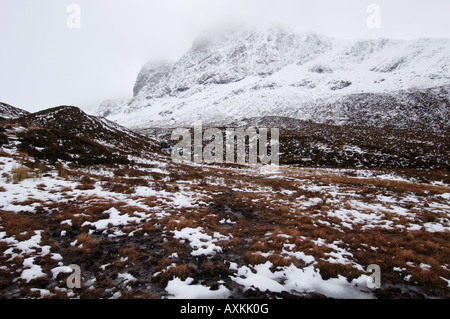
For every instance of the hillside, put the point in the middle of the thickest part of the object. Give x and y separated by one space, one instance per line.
67 134
309 144
7 111
73 124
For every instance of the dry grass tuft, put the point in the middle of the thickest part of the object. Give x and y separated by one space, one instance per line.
254 258
20 174
86 240
85 187
179 223
166 271
22 227
134 254
279 261
330 270
62 172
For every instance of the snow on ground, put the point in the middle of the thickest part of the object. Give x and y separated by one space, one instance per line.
23 247
299 280
31 271
227 211
115 219
126 278
179 289
201 243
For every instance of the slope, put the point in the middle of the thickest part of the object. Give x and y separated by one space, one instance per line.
7 111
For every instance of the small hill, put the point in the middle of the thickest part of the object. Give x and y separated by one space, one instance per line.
73 120
66 133
9 112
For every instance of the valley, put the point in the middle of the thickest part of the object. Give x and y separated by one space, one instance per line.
363 181
148 227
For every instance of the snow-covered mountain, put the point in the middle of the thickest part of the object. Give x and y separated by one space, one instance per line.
274 72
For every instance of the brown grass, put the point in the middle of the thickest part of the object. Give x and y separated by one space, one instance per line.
178 223
20 174
86 240
329 270
254 258
397 186
24 158
261 246
7 177
279 261
182 271
20 226
147 227
62 172
256 214
85 187
134 254
66 189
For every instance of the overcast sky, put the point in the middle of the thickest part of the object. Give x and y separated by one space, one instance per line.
43 63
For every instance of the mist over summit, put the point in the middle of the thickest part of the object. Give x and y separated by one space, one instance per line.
272 71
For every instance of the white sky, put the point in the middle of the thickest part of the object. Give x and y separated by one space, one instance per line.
43 63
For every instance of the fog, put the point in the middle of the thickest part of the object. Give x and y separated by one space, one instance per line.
44 63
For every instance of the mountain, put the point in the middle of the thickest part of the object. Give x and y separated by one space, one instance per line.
73 120
274 72
67 133
109 107
7 111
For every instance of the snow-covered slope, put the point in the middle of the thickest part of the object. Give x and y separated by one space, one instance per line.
274 72
8 112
